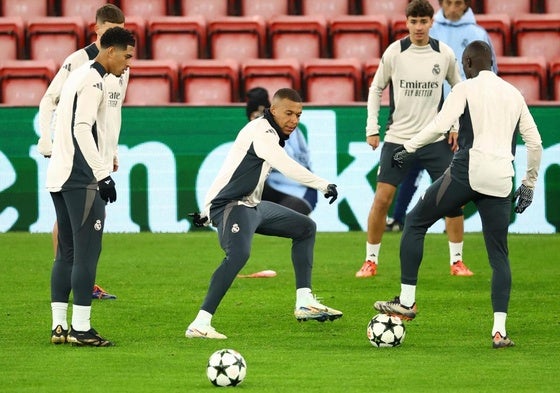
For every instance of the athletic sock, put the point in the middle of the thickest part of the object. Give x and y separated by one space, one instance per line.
408 295
303 297
455 252
372 252
81 318
59 311
499 323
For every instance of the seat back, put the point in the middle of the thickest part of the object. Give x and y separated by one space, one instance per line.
498 27
208 9
392 9
298 37
144 8
11 38
554 68
85 9
266 8
327 9
236 37
332 81
358 36
537 35
152 82
54 37
370 68
24 82
528 74
177 38
272 74
551 6
509 7
210 82
25 8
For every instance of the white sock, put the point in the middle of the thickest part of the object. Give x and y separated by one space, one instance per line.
408 295
455 252
59 311
80 318
203 318
499 323
303 297
372 252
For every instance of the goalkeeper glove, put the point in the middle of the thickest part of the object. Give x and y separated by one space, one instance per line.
107 190
199 220
524 196
331 193
399 156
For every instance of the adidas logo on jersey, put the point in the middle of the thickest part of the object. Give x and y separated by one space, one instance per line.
99 85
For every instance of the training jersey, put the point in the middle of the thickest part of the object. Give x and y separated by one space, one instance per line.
415 76
115 92
491 112
76 160
256 150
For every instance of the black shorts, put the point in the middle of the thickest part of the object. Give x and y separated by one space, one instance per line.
435 158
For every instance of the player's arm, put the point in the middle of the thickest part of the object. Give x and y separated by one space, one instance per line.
532 139
378 84
89 98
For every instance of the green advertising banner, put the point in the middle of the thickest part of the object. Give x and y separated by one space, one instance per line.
170 155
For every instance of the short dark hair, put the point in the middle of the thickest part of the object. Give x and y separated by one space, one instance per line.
419 8
288 93
257 98
118 37
109 13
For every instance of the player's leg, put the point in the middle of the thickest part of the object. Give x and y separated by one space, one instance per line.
236 227
495 214
280 221
406 191
87 216
388 179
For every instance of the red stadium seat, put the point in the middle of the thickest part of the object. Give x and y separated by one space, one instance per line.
358 36
54 37
398 29
272 74
152 82
551 6
11 37
83 8
266 8
526 73
299 37
236 37
210 82
144 8
555 78
177 38
327 9
510 7
498 27
392 9
370 68
23 82
537 35
26 8
332 81
208 9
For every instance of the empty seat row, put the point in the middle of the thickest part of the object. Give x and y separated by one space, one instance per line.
265 8
238 38
218 82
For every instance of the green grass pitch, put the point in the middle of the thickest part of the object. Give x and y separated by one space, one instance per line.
161 279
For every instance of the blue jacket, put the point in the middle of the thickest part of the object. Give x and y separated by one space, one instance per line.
458 34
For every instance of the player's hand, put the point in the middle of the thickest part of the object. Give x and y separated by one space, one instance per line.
107 190
524 196
373 141
399 157
44 147
452 140
199 220
331 193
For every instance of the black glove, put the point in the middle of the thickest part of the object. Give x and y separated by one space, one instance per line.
107 190
525 195
331 193
399 156
198 220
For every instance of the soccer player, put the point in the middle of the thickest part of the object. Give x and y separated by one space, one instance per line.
492 112
278 188
78 178
415 68
106 17
454 24
234 206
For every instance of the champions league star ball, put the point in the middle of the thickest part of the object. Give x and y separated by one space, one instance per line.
385 331
226 367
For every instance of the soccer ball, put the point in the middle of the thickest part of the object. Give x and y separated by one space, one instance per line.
385 331
226 367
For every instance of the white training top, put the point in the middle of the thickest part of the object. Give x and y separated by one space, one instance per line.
492 112
415 75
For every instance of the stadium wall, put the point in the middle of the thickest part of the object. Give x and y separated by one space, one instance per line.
169 156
